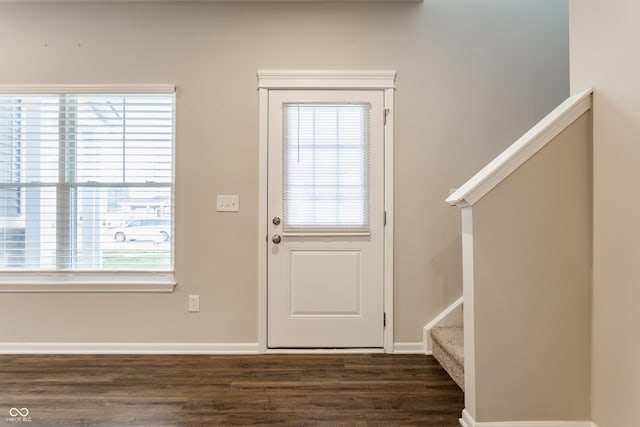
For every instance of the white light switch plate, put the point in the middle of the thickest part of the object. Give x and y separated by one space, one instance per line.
227 203
194 303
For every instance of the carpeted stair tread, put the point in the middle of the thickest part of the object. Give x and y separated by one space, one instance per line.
448 349
451 338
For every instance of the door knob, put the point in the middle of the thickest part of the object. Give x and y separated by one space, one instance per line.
276 220
276 238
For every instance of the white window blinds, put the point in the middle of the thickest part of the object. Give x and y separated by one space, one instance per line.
326 168
9 162
87 182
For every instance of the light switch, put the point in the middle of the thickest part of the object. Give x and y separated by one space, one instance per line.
228 203
194 303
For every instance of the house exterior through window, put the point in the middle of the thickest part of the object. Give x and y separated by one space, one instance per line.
87 182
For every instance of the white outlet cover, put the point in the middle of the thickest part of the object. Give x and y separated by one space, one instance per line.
227 203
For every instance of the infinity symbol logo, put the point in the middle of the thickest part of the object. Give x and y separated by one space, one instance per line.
14 412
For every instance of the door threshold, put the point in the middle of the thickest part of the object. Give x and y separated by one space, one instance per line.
364 350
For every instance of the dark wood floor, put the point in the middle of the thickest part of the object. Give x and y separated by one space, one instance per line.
288 390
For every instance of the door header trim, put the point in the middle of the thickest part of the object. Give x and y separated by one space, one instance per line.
326 79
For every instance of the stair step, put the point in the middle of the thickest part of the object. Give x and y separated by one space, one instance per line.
448 350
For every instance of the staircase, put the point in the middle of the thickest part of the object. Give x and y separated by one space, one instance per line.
448 350
509 215
444 337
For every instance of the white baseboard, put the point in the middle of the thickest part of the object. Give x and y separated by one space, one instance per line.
408 347
468 421
440 318
128 348
365 350
182 348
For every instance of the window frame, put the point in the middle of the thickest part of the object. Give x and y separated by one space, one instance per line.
89 281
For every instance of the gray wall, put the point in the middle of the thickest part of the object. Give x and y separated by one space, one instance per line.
604 55
472 77
532 276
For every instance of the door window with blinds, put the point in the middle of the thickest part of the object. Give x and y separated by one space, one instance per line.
86 182
326 168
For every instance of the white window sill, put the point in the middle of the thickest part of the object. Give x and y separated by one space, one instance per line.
86 282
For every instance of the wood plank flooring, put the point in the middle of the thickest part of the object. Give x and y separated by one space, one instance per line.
283 390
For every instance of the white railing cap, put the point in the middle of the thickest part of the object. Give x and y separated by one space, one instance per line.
521 150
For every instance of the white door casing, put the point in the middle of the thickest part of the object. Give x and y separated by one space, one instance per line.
326 290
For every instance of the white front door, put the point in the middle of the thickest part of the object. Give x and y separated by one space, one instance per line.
325 219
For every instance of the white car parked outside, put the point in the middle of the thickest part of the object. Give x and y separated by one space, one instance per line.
158 230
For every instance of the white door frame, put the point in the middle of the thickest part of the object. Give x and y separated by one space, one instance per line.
383 80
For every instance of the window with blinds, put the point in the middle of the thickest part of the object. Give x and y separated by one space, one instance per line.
326 168
87 182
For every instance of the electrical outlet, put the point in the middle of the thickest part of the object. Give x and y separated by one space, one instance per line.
194 303
227 203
